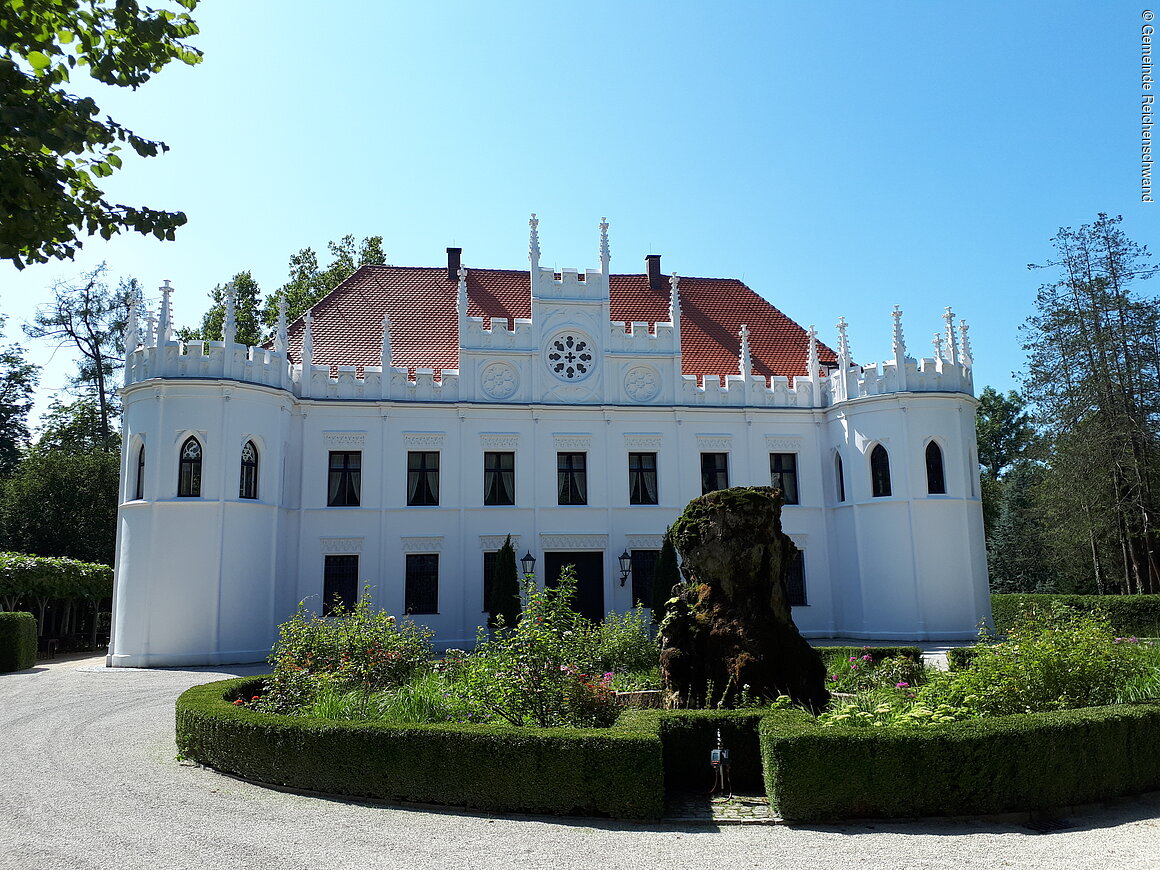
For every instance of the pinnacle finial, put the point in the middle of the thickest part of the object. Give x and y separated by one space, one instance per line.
307 341
150 328
674 299
812 363
164 321
461 297
745 360
968 358
605 255
899 339
952 346
281 338
843 344
132 330
230 326
386 342
534 242
937 341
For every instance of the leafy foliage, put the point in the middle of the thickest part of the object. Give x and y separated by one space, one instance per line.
503 606
361 649
53 148
247 313
309 282
18 379
666 575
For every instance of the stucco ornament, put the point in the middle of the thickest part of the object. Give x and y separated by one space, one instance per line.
500 380
570 356
642 383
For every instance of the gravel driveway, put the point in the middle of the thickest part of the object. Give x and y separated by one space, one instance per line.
89 780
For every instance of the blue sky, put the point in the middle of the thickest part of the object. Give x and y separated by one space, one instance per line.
839 158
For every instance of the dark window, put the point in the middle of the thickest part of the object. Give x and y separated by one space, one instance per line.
714 472
139 492
783 475
795 579
189 478
248 486
571 478
879 472
488 575
421 594
344 484
499 478
642 478
339 583
644 563
422 478
936 483
841 477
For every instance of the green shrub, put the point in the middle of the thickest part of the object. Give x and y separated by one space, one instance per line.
614 772
859 669
1050 660
993 765
959 657
361 649
17 641
1129 615
624 642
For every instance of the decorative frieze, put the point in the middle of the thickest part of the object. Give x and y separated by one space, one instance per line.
332 546
345 440
572 440
573 542
499 440
642 440
430 440
714 442
783 443
644 542
421 544
494 542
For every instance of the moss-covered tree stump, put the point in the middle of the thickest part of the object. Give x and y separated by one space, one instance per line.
729 629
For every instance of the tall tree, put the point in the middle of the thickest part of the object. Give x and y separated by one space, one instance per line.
18 379
1017 554
503 606
90 317
74 427
53 147
247 313
1093 375
1004 430
309 282
666 575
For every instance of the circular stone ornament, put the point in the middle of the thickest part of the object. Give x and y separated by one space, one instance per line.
500 380
570 356
642 383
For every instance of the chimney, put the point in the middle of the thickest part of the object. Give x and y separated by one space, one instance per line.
453 263
656 281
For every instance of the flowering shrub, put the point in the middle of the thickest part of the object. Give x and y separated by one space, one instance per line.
357 649
1051 659
544 670
864 672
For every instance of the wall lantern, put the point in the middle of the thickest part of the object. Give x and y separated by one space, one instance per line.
625 566
528 564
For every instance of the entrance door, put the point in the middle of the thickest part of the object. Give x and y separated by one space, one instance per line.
589 579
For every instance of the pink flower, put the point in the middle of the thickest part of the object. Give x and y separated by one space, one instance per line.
903 685
867 658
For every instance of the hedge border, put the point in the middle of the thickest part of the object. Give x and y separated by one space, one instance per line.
607 772
1130 615
981 766
810 773
17 641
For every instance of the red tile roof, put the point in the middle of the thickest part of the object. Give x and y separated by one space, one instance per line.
420 301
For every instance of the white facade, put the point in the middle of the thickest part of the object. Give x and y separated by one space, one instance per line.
206 578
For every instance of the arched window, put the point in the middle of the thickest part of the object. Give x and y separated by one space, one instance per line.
248 485
139 490
840 476
189 476
935 479
879 472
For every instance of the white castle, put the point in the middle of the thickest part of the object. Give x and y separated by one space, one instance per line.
387 442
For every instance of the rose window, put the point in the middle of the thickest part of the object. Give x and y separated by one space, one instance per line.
570 357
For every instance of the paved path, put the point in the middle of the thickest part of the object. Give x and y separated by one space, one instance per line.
88 780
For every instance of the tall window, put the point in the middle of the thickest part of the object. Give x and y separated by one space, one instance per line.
499 478
841 477
936 483
879 472
642 479
339 583
422 477
421 593
571 478
248 484
783 475
644 564
344 484
189 474
714 471
139 491
795 579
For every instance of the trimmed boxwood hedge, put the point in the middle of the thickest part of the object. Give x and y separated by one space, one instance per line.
992 765
613 772
1130 615
810 773
17 641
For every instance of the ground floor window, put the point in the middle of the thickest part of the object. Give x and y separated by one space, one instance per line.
644 563
795 580
339 583
421 593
